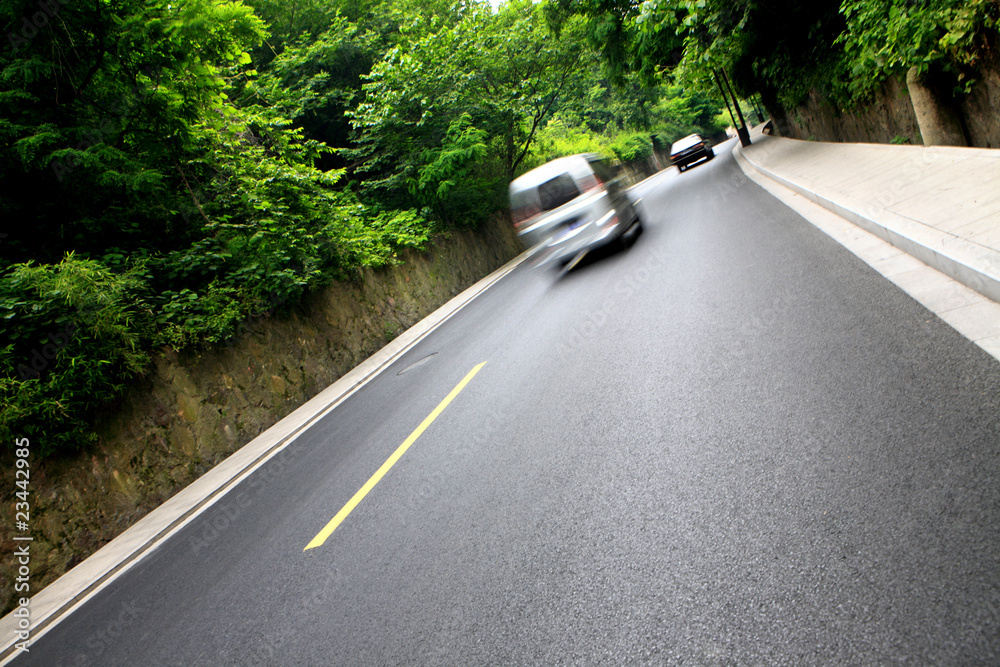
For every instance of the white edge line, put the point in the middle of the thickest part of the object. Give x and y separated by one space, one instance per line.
862 247
959 258
66 594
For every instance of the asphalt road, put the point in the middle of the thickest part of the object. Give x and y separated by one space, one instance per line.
732 443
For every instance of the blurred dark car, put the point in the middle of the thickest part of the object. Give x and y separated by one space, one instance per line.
572 205
689 150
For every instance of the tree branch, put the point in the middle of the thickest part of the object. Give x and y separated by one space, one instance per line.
191 192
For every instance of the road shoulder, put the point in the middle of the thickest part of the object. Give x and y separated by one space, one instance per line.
970 313
73 589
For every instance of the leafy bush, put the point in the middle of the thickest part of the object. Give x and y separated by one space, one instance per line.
72 340
455 180
887 36
75 334
189 213
632 146
559 138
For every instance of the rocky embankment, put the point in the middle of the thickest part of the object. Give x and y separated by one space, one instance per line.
195 409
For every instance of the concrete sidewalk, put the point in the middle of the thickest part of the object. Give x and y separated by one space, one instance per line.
939 205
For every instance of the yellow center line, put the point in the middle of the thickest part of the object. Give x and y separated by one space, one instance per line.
391 461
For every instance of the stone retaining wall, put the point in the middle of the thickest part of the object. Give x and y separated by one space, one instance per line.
195 409
890 116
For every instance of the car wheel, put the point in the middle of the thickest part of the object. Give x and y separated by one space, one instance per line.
636 229
711 153
628 237
681 167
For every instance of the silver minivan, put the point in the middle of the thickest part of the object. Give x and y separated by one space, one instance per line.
572 205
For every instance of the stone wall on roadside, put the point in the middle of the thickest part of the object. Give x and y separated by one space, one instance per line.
195 409
890 116
981 108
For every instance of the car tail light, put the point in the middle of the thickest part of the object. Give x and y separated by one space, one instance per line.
591 182
521 216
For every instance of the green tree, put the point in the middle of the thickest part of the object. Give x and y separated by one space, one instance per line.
503 71
885 37
168 214
782 49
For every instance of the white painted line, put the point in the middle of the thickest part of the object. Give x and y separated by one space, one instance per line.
65 595
965 310
961 258
666 171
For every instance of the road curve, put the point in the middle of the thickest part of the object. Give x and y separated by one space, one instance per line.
732 443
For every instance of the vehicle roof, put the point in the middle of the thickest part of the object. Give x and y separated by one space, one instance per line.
550 170
686 142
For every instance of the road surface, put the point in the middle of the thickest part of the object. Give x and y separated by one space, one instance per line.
732 443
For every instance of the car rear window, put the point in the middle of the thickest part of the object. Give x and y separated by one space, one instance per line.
556 192
524 205
604 171
686 142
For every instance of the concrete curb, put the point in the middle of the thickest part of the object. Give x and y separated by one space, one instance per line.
973 315
63 596
969 263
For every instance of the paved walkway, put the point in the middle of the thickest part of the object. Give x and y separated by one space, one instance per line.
939 205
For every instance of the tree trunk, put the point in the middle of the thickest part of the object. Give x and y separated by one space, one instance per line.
940 124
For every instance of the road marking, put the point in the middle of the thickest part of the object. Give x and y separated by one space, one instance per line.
417 364
391 461
967 311
76 588
573 262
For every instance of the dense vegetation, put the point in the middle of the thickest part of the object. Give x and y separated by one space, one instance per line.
782 49
171 169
